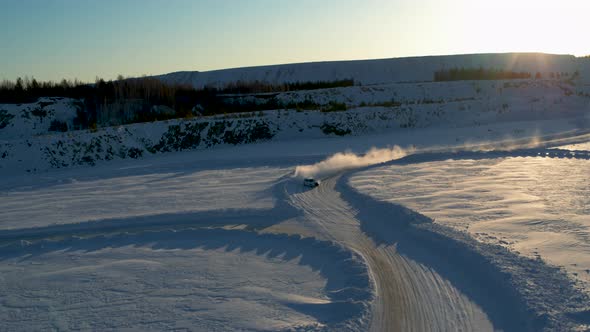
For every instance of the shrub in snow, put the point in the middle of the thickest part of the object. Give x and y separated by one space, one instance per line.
57 125
333 129
5 118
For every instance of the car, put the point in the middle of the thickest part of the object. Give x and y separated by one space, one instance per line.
309 182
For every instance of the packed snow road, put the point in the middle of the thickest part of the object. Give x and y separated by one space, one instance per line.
410 295
432 277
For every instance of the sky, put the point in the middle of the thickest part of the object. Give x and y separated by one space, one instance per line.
55 39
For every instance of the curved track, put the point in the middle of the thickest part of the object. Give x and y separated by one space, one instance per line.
409 295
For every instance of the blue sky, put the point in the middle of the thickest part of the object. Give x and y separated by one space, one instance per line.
53 39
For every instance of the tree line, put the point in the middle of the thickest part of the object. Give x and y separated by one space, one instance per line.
472 74
102 95
249 87
104 102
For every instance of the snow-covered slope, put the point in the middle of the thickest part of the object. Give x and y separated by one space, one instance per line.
367 72
19 121
26 144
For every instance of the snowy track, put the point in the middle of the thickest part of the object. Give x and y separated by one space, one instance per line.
203 270
544 153
409 296
515 279
431 278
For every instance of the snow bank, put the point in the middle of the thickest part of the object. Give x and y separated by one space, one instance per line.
560 306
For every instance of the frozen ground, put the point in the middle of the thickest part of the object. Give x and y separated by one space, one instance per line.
227 239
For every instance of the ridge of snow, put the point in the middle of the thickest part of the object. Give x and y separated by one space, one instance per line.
559 306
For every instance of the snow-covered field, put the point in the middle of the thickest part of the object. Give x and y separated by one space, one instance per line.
193 240
205 279
175 194
536 206
475 218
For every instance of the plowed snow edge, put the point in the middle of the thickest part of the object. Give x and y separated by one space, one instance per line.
516 292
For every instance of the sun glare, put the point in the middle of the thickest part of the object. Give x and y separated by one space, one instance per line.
527 26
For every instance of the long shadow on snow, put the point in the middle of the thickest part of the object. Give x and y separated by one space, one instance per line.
142 167
348 284
252 218
475 268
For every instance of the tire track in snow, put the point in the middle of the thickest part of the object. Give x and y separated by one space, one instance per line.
409 295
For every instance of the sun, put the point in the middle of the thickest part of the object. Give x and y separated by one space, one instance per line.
527 26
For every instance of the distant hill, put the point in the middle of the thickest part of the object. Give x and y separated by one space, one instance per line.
366 72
